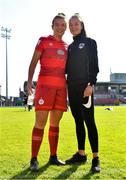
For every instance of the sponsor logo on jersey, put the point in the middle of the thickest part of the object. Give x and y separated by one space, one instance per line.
41 101
81 45
60 52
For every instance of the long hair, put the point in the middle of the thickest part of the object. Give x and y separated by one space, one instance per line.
83 31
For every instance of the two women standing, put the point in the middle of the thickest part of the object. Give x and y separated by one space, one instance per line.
50 97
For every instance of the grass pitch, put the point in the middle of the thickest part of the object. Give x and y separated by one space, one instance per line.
15 142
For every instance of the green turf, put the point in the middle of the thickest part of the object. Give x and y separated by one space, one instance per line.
15 141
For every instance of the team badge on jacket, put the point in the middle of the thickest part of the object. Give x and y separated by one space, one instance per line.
81 45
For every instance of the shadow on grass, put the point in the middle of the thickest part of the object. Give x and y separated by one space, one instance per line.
67 173
89 174
27 174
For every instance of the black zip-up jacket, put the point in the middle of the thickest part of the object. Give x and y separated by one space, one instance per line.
82 62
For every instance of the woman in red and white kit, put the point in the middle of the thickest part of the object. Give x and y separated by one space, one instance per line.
50 93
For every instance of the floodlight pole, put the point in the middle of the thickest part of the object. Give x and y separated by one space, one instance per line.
6 36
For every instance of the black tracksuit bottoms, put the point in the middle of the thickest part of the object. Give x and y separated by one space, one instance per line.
83 115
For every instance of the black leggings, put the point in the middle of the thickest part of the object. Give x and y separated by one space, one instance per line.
83 115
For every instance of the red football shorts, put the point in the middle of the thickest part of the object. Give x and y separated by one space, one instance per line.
48 98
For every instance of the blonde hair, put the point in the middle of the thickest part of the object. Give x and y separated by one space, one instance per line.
77 15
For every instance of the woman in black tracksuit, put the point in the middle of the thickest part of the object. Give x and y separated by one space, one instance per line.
82 69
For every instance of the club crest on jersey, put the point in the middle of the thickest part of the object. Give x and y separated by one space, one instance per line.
50 44
81 45
41 101
60 52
